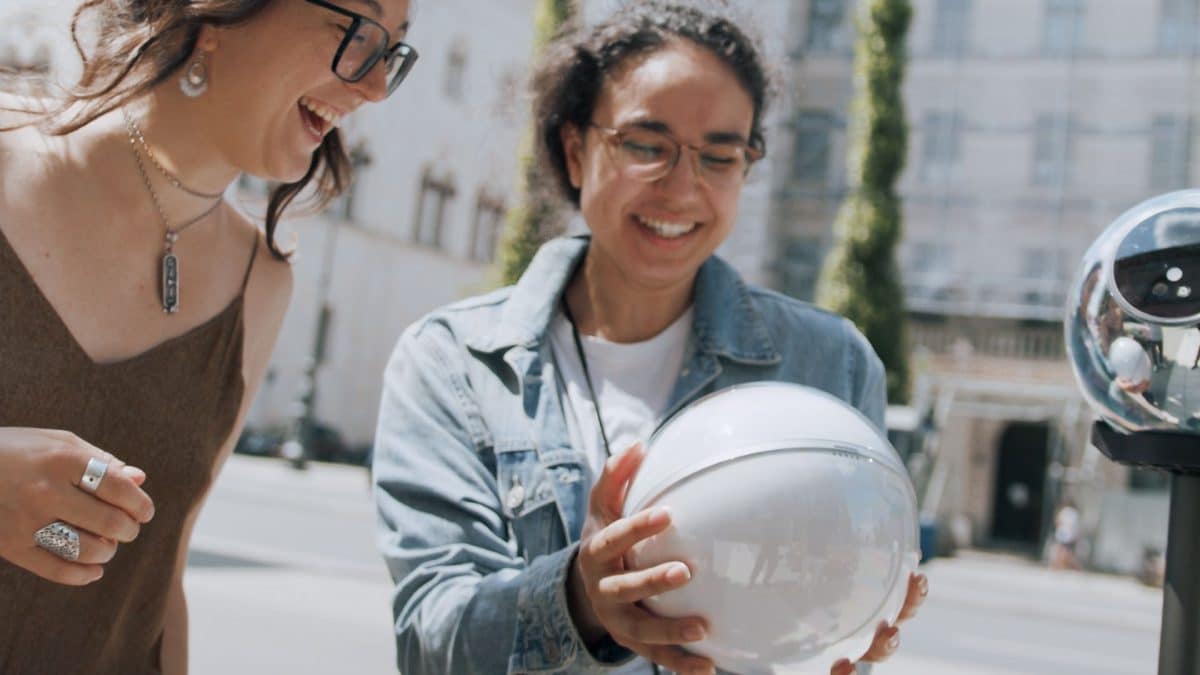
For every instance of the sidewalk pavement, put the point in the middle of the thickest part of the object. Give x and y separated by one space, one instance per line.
284 578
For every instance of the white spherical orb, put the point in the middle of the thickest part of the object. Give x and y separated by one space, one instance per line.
796 518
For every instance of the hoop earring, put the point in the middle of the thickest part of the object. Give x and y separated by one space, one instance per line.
194 80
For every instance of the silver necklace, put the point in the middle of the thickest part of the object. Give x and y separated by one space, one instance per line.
170 262
136 132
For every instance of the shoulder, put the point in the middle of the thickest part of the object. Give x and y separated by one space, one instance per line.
786 315
464 319
799 325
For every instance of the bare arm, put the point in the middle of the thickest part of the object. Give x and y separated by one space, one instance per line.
267 296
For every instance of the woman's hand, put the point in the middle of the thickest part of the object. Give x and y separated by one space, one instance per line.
887 638
40 475
604 596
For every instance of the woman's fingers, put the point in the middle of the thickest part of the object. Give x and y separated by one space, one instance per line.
843 667
639 585
635 626
119 485
608 494
674 658
918 590
95 550
53 568
886 642
88 513
608 546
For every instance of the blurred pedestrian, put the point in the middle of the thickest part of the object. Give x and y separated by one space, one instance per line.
139 307
509 424
1066 537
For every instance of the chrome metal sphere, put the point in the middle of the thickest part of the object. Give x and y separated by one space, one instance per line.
1133 317
796 517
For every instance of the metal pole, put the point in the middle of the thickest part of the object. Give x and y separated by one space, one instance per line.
1179 649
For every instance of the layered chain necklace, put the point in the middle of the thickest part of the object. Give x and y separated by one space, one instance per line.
170 262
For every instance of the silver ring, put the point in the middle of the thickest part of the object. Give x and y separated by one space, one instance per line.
60 539
93 474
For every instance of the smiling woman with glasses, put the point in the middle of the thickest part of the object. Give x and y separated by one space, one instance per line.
364 44
140 309
510 424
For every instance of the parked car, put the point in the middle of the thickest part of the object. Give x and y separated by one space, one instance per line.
320 442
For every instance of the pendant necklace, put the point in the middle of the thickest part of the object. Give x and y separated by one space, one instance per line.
170 262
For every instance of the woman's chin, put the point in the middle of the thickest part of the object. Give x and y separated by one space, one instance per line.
288 172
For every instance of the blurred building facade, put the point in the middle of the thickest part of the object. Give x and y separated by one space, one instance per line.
1033 123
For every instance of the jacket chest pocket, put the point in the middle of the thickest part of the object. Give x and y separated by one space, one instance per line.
544 498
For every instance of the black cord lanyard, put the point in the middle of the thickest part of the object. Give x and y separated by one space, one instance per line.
587 376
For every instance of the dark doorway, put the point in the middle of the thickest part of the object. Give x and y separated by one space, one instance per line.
1020 485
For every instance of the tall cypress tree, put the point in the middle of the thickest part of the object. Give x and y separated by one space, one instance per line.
860 279
535 217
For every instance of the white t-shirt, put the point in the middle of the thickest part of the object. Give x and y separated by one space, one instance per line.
633 381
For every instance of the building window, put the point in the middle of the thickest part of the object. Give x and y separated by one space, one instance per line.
941 148
1042 273
928 271
1039 264
1063 27
456 68
1051 149
1170 152
826 26
950 27
811 148
434 197
1176 27
489 222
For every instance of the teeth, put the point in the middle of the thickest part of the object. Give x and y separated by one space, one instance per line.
665 229
322 111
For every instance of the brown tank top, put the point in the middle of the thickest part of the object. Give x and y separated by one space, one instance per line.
168 411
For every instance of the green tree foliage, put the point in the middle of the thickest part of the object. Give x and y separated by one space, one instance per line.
535 217
860 279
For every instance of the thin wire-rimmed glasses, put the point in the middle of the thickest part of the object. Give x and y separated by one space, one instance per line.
364 44
650 154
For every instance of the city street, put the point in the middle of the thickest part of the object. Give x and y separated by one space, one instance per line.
284 578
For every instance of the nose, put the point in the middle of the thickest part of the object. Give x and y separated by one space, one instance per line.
684 177
374 85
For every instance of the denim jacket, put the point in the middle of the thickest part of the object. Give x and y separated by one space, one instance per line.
481 498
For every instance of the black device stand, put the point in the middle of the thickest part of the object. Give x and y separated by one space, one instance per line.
1178 454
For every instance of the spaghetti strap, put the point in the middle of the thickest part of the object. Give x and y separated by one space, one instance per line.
250 265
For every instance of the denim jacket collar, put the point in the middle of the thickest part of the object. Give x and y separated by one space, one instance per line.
726 323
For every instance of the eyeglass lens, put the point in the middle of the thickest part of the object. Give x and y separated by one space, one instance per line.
650 155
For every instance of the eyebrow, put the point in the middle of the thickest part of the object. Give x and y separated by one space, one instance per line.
710 137
377 10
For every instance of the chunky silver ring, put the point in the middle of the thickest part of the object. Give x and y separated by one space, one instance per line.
93 474
60 539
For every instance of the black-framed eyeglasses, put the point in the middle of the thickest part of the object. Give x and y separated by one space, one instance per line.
650 154
364 44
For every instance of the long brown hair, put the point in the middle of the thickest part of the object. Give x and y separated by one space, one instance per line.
137 45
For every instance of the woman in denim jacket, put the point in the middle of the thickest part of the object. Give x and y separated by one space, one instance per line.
499 503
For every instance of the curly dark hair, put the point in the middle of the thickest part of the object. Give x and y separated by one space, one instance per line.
568 79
